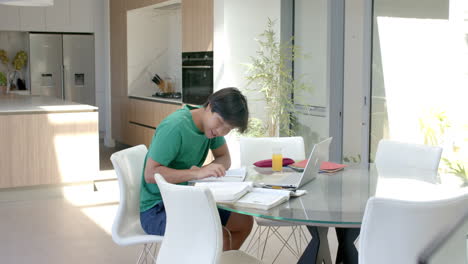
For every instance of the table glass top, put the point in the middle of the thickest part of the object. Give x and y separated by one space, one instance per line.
337 199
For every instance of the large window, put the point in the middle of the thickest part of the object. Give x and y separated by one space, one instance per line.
419 83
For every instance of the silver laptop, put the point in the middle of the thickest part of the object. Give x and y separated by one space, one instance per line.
291 179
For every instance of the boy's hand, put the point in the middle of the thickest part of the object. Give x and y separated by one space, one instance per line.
213 169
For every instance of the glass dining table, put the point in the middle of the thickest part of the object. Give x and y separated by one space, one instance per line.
332 200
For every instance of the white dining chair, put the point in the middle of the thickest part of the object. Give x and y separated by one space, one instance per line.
126 229
394 157
193 231
255 149
396 231
449 245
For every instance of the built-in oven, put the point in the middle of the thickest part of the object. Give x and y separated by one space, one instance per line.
197 77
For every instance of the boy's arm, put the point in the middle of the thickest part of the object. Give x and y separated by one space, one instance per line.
178 176
222 156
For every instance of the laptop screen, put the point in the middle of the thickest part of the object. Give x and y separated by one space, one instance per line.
319 154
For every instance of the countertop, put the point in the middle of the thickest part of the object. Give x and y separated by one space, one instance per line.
157 99
34 104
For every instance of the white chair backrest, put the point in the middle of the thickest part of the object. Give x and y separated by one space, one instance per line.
128 165
193 230
255 149
396 231
393 156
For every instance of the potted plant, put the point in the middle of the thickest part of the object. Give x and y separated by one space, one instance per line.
19 61
271 71
3 83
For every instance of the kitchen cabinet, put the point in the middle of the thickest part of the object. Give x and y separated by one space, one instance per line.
47 141
144 117
32 18
120 107
140 135
81 15
9 18
63 16
57 17
197 25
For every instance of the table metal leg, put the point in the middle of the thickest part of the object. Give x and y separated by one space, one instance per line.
347 253
317 251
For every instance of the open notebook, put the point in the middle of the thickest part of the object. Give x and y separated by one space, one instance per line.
264 199
244 195
227 192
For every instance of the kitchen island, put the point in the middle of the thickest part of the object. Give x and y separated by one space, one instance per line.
45 140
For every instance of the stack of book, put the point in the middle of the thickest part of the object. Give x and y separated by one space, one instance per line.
325 167
330 167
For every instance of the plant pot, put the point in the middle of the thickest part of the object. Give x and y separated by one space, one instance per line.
3 89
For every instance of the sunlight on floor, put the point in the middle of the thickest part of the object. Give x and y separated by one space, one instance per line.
103 216
98 201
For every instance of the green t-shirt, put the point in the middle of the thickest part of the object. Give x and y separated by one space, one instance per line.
177 144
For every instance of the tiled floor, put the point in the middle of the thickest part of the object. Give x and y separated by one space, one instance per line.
72 224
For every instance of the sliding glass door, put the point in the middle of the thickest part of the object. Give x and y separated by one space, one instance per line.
406 78
420 76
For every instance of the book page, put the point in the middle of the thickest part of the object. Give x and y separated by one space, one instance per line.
232 175
227 191
263 198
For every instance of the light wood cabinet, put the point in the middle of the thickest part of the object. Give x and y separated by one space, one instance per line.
48 148
118 58
197 25
144 118
140 135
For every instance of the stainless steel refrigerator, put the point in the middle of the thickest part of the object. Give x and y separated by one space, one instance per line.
62 65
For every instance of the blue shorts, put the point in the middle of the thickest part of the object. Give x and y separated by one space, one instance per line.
153 220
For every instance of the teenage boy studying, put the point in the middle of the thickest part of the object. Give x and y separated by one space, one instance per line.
178 150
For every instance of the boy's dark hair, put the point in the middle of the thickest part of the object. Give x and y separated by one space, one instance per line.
231 105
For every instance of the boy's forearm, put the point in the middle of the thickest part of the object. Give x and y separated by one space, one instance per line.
224 160
170 175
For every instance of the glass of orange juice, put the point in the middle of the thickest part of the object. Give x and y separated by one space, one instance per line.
277 159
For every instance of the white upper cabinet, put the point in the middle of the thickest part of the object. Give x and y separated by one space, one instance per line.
63 16
9 18
32 18
82 15
57 17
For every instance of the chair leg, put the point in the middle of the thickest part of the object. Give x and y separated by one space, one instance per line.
264 245
248 247
146 251
230 237
141 253
285 241
265 232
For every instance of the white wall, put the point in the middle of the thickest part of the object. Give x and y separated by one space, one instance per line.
102 68
237 23
154 45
